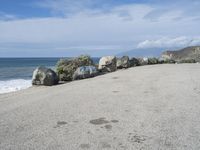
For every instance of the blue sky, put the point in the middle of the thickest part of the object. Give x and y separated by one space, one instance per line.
53 28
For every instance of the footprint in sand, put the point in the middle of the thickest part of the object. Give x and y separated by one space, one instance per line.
99 121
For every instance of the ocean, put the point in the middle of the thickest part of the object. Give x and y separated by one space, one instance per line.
16 73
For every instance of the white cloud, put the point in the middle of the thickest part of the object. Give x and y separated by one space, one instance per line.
69 7
167 42
81 28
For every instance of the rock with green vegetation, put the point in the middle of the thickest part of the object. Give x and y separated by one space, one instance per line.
66 67
134 62
44 76
153 61
123 62
108 64
85 72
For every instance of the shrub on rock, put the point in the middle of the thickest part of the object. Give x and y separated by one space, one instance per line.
85 72
123 62
67 67
108 64
44 76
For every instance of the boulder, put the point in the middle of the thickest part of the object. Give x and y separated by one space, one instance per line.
44 76
187 61
153 61
123 62
169 61
66 67
85 72
143 61
107 64
134 62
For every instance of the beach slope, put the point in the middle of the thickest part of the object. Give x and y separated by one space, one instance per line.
148 107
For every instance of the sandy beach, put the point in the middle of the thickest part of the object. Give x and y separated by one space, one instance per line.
149 108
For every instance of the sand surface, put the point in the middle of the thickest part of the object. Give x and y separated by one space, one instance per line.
148 108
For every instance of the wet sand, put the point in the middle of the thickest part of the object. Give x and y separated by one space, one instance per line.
148 108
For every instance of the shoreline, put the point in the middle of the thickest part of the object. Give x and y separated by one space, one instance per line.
35 86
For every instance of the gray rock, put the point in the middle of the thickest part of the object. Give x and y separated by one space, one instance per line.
44 76
153 61
85 72
123 62
134 62
143 61
108 64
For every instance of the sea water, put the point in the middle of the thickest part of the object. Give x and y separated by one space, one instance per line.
16 73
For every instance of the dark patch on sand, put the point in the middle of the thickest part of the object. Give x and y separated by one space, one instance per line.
99 121
136 139
60 123
146 92
114 121
105 145
115 91
108 127
85 146
115 77
120 144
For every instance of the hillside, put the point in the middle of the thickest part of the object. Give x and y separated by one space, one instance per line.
192 52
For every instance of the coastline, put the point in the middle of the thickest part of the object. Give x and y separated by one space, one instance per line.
135 108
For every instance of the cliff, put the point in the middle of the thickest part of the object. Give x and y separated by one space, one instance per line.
187 53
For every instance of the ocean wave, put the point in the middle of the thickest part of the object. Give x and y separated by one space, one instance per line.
14 85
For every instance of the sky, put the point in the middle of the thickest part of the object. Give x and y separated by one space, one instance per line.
58 28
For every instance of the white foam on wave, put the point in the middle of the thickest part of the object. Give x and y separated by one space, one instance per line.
14 85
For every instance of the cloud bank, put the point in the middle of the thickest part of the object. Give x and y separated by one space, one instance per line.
167 42
102 25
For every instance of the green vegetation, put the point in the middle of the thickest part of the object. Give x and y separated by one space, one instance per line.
66 67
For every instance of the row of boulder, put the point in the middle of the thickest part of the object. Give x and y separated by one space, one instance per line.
83 67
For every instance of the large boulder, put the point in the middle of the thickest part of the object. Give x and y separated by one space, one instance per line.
153 61
44 76
143 61
123 62
85 72
108 64
134 62
67 67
